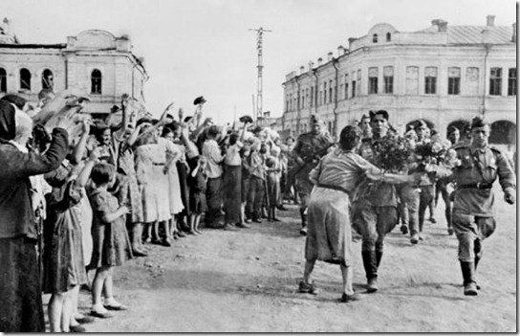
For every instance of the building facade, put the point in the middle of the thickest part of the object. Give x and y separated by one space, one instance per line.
442 74
95 61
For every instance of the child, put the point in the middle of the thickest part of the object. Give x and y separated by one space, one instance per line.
273 185
198 179
111 243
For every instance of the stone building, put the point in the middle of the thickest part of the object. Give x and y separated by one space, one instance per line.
443 74
94 61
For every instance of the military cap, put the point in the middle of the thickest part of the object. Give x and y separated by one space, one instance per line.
479 121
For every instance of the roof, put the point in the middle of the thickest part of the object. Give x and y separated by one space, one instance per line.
34 46
473 34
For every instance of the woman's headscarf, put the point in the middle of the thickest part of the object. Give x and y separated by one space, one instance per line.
7 121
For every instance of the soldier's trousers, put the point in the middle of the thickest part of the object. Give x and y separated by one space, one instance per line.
409 206
373 223
470 231
426 197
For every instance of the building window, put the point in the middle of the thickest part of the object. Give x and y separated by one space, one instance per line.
495 82
47 80
3 80
96 82
511 82
412 80
372 80
353 89
287 103
320 98
331 92
388 77
346 87
312 96
307 95
388 37
358 86
453 81
374 38
471 82
324 93
430 80
25 79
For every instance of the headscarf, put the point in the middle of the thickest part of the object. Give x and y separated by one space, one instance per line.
7 121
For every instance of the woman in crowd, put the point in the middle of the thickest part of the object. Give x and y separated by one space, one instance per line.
233 182
21 308
336 179
171 133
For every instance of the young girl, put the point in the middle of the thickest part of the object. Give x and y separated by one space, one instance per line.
111 244
198 179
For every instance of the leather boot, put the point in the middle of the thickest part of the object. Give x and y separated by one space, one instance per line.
370 264
379 256
468 273
303 216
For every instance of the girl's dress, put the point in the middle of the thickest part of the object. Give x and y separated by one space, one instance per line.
111 242
64 265
176 205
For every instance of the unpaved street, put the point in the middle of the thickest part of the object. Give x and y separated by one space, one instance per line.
247 281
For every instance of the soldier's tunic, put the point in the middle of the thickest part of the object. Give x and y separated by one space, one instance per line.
375 208
310 147
473 204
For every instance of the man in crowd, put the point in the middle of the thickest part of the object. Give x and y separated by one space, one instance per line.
309 149
374 212
473 219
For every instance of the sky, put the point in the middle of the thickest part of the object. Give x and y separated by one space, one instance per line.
204 47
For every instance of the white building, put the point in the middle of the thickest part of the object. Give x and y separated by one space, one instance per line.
94 61
443 74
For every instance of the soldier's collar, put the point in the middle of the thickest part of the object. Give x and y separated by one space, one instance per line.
478 149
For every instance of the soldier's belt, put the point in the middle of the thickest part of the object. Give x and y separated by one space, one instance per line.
478 185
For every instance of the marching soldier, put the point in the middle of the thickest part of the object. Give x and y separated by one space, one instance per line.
309 149
472 217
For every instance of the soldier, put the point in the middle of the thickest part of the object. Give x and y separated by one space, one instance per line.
309 149
472 217
374 210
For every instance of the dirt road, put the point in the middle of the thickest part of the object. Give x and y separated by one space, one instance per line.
247 281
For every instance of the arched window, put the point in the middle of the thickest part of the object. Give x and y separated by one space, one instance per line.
3 80
47 80
95 79
374 38
25 79
388 37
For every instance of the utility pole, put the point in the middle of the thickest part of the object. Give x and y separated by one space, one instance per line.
259 95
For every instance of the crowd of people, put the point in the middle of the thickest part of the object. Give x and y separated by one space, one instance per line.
374 178
80 197
92 193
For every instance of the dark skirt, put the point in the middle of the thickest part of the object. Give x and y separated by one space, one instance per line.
111 245
63 261
21 308
185 190
232 193
214 201
198 202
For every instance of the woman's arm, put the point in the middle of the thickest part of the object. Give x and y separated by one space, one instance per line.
111 217
81 147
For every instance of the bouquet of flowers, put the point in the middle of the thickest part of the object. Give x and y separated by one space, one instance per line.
434 158
392 153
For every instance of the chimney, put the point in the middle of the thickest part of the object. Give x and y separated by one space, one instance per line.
319 61
490 20
341 50
311 65
302 69
442 26
330 55
513 39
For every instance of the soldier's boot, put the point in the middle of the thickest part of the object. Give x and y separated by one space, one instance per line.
379 256
303 216
468 274
478 255
370 264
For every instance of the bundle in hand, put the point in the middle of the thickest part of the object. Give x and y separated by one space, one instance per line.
392 153
434 159
246 119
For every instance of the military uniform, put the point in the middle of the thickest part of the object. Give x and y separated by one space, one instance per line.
374 214
472 217
310 147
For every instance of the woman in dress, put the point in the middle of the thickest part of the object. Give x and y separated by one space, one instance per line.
233 182
151 160
336 179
